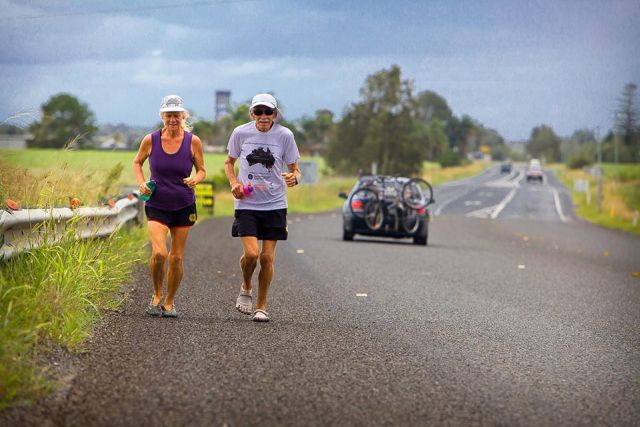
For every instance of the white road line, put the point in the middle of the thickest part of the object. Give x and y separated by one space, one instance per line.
481 213
556 199
502 181
503 204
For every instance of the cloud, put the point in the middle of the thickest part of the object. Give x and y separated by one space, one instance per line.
510 65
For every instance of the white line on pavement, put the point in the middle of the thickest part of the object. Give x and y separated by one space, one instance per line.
556 199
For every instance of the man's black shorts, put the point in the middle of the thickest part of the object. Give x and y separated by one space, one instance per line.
184 217
265 225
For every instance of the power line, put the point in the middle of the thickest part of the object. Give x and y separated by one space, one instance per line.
121 10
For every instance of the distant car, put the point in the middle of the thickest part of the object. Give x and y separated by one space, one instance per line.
506 167
387 206
534 171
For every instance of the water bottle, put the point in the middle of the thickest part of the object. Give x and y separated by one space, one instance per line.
247 189
151 185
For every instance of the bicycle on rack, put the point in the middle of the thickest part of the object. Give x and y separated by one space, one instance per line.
389 206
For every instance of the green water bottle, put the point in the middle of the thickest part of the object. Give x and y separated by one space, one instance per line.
151 185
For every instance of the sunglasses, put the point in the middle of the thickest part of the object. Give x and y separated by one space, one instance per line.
261 111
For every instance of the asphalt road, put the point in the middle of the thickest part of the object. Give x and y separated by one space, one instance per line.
514 318
508 196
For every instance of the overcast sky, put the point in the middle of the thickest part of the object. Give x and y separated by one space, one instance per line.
511 65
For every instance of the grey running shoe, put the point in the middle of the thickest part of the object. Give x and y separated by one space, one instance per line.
169 313
154 310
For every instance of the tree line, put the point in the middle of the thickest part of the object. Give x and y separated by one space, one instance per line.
391 125
621 144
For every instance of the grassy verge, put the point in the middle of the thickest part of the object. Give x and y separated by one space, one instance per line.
54 295
620 196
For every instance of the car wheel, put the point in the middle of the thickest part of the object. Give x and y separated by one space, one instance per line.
422 237
346 235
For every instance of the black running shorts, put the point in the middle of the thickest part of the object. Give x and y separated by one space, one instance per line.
184 217
265 225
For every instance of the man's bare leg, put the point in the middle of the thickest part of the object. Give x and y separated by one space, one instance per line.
267 258
249 260
248 263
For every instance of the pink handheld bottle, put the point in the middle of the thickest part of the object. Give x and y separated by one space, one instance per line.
247 189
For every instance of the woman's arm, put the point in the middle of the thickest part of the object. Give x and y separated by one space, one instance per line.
198 163
138 161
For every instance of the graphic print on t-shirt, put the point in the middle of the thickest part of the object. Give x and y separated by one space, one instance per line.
259 155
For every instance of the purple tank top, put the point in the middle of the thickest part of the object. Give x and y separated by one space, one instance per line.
168 171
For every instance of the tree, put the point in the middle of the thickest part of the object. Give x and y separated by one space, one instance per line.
207 131
343 150
433 112
431 106
66 122
462 134
316 132
381 129
580 149
626 124
544 144
438 142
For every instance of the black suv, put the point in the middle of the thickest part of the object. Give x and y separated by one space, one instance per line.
388 206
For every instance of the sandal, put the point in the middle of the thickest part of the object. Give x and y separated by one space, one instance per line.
244 304
260 315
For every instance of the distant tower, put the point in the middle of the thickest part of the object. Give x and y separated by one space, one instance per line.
223 103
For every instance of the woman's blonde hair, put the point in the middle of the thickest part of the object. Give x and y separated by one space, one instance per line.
186 125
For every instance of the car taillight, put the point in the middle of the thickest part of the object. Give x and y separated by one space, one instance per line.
357 205
422 211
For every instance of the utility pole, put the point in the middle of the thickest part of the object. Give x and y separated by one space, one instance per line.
616 131
599 193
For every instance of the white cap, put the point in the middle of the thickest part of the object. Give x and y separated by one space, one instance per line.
171 103
264 99
267 100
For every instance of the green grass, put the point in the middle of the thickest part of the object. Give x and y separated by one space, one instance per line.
50 168
91 165
620 195
53 296
623 173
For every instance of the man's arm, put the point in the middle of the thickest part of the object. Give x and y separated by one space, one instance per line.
229 170
292 177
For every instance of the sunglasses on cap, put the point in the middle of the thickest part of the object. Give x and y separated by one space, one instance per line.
260 111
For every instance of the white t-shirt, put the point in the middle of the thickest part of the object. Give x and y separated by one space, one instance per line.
263 157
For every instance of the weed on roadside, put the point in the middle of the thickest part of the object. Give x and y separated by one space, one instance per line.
54 295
